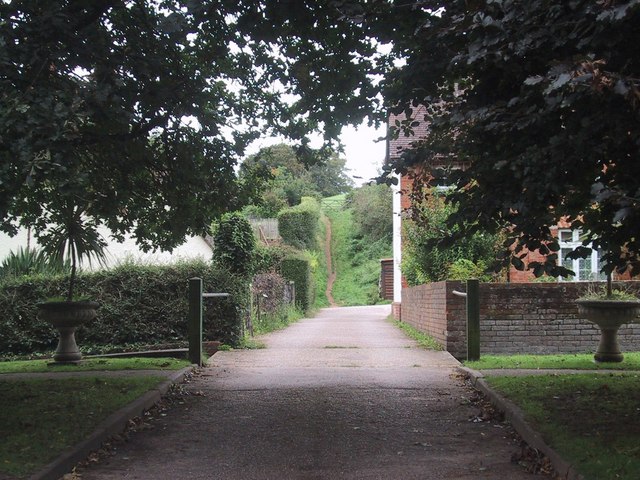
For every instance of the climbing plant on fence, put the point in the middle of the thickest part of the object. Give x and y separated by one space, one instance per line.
234 244
298 270
138 305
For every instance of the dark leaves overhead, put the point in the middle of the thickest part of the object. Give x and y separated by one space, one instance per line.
542 99
140 110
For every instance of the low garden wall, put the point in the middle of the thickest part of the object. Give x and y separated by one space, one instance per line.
514 317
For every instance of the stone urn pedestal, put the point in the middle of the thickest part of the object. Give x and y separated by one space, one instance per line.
66 317
609 315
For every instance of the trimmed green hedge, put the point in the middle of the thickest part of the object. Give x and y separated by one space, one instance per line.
138 304
298 270
298 226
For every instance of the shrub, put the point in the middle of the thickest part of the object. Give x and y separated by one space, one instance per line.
29 261
269 258
138 304
272 307
298 270
424 261
463 269
298 225
268 291
234 243
372 207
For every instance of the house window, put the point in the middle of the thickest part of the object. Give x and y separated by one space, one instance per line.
585 269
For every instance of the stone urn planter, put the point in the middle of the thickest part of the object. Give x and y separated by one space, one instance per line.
66 317
609 315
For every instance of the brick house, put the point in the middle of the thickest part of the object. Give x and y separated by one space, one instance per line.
586 269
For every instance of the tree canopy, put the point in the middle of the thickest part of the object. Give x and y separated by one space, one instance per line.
542 99
136 111
280 178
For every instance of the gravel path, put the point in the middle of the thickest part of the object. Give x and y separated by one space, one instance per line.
344 395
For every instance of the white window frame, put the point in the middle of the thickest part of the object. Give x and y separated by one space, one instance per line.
594 274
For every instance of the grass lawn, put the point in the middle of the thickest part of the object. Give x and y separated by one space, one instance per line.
570 361
43 417
593 421
138 363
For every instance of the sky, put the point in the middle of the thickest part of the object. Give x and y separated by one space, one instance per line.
364 155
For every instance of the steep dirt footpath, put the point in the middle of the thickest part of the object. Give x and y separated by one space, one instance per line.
332 274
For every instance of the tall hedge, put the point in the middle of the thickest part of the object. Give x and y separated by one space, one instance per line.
298 226
298 270
138 304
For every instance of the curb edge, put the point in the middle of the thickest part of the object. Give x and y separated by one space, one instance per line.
517 419
113 424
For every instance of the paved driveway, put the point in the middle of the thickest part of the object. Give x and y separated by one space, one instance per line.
343 395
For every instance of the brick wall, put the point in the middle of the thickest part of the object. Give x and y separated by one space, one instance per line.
514 318
425 308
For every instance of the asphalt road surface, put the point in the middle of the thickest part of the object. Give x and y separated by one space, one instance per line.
345 395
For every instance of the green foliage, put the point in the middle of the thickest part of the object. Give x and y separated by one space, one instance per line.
39 420
585 418
95 364
577 361
272 309
280 318
329 176
298 225
319 266
463 269
281 177
298 270
138 304
269 258
234 243
137 125
600 292
29 261
372 207
71 237
356 258
424 259
424 340
540 100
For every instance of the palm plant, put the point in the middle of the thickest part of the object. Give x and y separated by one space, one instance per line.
73 238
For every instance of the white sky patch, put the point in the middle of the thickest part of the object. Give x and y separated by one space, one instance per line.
364 155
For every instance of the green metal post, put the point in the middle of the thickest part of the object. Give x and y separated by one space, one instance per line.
195 321
473 319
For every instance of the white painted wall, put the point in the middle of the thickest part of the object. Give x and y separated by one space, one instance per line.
192 248
397 242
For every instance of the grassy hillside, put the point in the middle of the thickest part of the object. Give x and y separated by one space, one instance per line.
356 260
320 272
